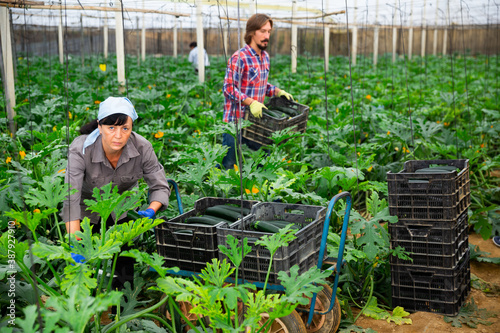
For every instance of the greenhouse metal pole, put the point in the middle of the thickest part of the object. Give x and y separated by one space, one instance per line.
175 32
8 67
60 38
294 38
434 45
138 46
120 48
394 33
225 36
105 35
354 48
199 41
422 53
143 35
327 47
445 33
375 37
410 33
175 38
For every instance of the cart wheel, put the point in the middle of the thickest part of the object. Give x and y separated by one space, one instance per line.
289 324
328 323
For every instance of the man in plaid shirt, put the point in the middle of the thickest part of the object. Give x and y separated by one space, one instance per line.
245 83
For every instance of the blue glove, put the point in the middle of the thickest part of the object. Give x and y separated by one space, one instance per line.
78 258
150 212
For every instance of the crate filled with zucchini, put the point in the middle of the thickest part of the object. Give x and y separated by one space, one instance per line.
279 115
189 240
267 218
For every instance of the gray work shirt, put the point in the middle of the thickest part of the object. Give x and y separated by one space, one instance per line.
92 169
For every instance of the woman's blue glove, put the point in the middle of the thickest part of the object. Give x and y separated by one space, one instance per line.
150 212
78 258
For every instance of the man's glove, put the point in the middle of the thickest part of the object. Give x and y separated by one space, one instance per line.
256 109
150 212
284 93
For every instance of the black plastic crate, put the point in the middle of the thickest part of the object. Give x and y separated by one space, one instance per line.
434 231
431 278
448 306
262 128
426 248
431 290
302 251
191 251
443 195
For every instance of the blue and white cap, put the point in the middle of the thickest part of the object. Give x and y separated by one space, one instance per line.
110 106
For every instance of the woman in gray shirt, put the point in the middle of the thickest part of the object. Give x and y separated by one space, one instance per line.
112 153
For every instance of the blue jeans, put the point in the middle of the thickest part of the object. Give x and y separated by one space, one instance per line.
229 160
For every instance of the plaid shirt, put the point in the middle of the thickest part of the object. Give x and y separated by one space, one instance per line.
254 71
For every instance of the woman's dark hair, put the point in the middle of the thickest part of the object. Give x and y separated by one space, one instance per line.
254 23
114 119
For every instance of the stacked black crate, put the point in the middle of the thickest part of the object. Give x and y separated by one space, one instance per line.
430 199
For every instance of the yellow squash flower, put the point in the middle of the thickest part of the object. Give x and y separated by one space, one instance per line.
102 67
8 160
22 154
159 135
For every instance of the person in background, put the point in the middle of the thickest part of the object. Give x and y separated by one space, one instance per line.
245 83
193 56
109 151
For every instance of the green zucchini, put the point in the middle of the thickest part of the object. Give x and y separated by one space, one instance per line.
288 110
246 211
207 220
133 215
184 232
274 113
223 213
264 226
281 224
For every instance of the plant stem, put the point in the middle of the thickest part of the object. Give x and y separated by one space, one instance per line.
143 313
58 228
367 302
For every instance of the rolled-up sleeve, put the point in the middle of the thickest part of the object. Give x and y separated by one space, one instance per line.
154 175
75 171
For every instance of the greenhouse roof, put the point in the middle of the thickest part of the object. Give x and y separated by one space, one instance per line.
159 13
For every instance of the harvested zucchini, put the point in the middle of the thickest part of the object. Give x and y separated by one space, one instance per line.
265 226
246 211
224 213
207 220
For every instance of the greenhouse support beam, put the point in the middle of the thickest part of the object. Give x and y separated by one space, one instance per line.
422 50
294 39
394 43
175 38
199 41
410 43
354 50
375 37
143 34
60 38
354 46
327 47
410 33
105 36
106 9
8 67
434 42
120 48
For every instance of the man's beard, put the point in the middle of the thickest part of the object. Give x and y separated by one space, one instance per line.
263 47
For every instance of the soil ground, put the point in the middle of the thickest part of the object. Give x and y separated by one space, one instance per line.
425 322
